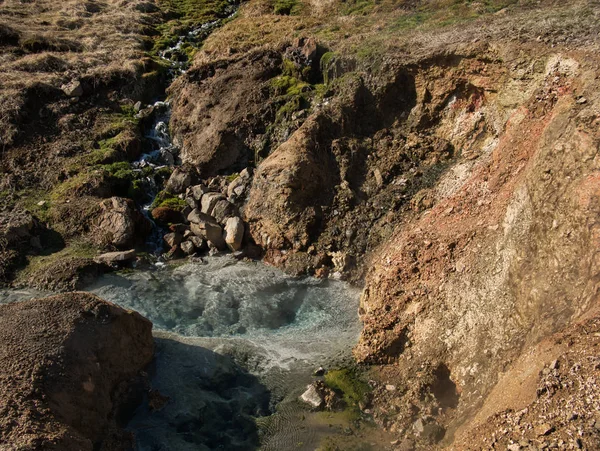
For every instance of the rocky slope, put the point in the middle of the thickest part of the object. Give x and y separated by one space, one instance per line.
67 367
458 177
443 154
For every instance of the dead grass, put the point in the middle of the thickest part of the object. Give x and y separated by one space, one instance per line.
49 42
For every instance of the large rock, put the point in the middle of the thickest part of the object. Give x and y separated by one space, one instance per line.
208 229
209 201
213 134
234 233
65 367
289 188
111 258
181 178
223 210
120 224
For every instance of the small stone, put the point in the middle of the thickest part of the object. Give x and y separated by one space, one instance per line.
543 429
554 364
73 89
198 242
312 397
173 239
137 107
115 257
319 372
224 209
581 100
41 203
208 202
188 247
197 191
514 447
390 387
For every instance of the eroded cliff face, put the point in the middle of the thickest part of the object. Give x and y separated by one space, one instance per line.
507 253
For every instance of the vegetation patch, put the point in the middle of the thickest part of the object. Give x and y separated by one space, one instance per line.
286 7
168 200
348 381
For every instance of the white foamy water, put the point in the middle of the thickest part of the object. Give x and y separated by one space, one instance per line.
233 340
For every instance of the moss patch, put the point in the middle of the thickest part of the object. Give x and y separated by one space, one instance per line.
348 382
168 200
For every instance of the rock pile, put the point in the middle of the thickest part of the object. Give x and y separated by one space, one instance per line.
211 221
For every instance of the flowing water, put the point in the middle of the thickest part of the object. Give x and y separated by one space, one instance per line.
236 341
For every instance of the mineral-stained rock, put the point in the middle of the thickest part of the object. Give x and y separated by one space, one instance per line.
234 233
66 364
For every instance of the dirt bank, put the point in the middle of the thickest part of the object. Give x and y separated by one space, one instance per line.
67 367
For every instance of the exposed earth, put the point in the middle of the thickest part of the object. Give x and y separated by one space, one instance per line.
441 155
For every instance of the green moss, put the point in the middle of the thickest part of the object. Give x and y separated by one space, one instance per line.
289 86
120 170
231 177
70 186
286 7
168 200
37 263
325 64
349 383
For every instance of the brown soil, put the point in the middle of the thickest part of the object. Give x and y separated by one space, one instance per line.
67 363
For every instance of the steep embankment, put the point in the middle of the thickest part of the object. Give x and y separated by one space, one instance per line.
67 367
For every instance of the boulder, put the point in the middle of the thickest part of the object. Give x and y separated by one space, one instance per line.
66 391
191 202
208 202
223 210
197 217
173 238
210 231
180 180
111 258
120 224
166 215
198 242
188 247
197 191
234 233
312 397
